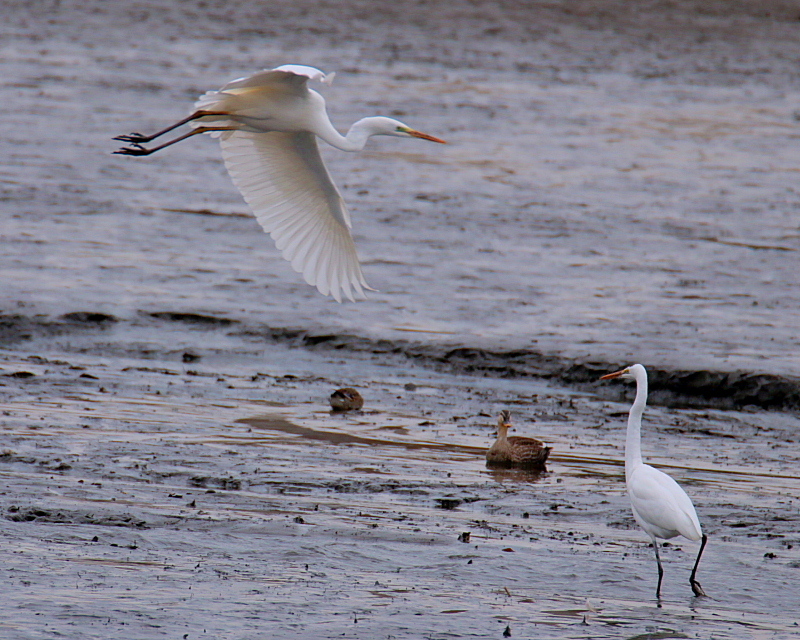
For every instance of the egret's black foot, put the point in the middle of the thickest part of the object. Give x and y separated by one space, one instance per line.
698 590
134 137
134 150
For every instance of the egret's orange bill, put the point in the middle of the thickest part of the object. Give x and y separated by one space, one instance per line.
611 376
425 136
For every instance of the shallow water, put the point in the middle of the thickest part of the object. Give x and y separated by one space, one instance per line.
611 192
619 186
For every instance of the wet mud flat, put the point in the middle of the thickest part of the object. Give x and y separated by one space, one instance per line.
620 186
158 485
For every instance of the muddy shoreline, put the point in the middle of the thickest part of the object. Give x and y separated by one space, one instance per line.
141 485
713 389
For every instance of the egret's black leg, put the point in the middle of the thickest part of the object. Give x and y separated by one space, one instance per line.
137 150
698 590
660 570
138 138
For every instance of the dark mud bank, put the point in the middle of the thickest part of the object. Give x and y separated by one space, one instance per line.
714 389
677 388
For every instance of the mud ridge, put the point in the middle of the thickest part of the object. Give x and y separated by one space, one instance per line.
15 328
676 388
679 388
36 514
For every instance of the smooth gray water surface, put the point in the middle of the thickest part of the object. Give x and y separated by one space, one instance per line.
616 187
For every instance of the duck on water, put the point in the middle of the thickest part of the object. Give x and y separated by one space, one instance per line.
515 451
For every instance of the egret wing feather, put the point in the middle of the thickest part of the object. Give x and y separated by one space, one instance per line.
290 76
284 181
662 506
271 100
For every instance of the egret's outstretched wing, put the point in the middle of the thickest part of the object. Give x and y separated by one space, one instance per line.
272 100
283 179
287 73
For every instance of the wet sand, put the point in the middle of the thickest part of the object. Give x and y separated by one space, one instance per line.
620 185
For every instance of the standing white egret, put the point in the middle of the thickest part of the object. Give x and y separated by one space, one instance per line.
660 506
267 125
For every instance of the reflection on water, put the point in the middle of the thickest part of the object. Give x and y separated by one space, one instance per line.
516 475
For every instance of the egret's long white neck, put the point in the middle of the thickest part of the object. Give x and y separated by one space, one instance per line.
633 441
355 139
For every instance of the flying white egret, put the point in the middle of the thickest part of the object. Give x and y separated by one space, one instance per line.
267 125
660 506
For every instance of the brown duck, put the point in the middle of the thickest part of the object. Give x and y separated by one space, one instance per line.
347 399
525 453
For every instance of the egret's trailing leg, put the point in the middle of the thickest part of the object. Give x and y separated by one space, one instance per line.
138 150
139 138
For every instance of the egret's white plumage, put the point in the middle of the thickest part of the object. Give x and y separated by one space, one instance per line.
282 178
268 124
660 506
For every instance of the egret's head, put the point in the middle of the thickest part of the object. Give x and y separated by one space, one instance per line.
624 374
629 373
382 126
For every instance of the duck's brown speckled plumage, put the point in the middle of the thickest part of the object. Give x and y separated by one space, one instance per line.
346 399
515 451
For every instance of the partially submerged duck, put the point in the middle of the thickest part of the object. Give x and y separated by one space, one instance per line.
516 451
347 399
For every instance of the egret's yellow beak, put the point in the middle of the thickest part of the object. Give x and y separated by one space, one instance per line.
616 374
424 136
